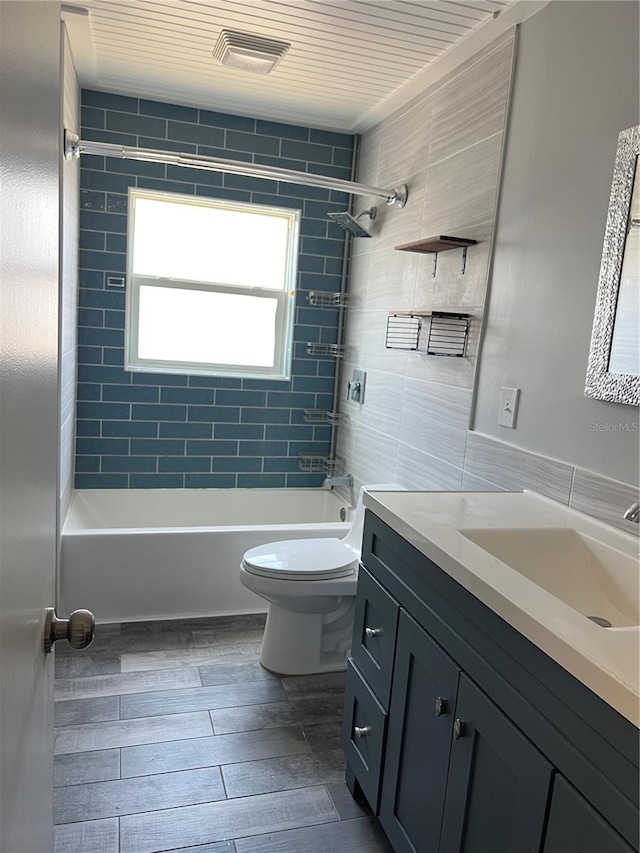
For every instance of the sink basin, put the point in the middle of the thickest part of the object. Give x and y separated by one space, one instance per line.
598 581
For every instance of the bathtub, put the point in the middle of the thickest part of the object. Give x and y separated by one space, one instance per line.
142 554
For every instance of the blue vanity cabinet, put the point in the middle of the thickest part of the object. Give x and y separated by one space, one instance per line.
458 775
483 744
575 827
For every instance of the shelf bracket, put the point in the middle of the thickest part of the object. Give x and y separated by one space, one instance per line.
435 264
464 261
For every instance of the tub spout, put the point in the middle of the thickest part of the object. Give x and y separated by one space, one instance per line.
330 482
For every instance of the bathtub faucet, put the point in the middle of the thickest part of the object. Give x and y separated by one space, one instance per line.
330 482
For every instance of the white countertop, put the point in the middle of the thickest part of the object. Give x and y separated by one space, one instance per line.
605 660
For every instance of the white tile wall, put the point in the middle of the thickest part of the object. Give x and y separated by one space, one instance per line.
603 498
447 146
515 469
470 107
418 470
435 418
492 465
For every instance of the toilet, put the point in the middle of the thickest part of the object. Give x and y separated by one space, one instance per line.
310 585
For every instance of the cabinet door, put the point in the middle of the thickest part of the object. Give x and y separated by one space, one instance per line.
498 784
423 697
575 827
374 634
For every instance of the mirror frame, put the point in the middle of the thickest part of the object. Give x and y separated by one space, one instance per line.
602 385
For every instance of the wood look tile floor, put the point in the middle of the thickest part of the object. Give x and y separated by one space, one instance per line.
170 736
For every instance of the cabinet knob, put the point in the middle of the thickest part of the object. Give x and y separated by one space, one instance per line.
361 731
459 729
373 632
442 706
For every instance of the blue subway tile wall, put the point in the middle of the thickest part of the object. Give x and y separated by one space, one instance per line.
144 430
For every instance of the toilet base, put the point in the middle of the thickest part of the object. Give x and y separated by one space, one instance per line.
296 643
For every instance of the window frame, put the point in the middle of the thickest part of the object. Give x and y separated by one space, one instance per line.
285 312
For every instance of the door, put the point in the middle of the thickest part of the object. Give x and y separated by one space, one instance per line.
498 784
423 698
29 240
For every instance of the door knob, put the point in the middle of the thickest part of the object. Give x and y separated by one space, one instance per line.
78 629
373 632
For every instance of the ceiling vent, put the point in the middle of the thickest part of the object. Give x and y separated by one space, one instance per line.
249 52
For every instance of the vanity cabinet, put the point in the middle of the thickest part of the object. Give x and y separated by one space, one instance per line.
463 736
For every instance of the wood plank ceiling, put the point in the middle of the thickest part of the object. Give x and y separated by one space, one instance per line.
347 57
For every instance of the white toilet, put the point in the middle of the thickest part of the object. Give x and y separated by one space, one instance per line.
310 585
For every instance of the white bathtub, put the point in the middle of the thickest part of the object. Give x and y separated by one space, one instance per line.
168 553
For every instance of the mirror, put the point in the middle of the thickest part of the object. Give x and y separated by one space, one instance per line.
613 372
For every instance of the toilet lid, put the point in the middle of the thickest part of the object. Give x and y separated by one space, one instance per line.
301 559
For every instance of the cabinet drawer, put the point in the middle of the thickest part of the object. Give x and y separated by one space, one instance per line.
374 634
363 734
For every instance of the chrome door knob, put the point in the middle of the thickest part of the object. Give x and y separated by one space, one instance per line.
373 632
78 629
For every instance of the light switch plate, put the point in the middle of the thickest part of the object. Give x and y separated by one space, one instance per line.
508 407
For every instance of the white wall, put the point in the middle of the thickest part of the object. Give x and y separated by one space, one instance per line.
69 224
576 87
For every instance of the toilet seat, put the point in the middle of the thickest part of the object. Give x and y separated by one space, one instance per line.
301 559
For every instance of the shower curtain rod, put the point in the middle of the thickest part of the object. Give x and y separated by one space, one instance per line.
74 147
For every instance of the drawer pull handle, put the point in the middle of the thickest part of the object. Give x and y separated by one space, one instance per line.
442 706
361 731
459 729
373 632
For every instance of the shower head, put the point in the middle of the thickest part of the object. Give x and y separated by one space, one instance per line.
350 223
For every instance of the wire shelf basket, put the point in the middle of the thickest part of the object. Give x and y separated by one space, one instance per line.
403 331
316 463
322 416
448 334
326 299
331 350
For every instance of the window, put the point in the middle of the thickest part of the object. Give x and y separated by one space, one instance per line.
210 286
